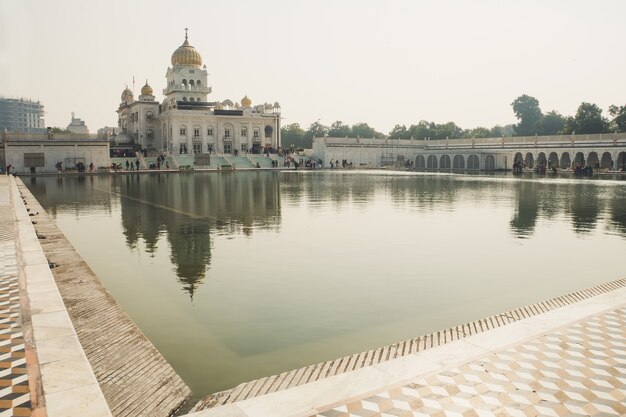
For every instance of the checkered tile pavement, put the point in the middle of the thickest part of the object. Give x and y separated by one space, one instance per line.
14 390
578 371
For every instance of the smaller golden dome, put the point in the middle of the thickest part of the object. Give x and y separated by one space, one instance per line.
246 102
127 94
146 90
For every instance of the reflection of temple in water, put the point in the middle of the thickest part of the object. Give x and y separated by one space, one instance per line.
188 208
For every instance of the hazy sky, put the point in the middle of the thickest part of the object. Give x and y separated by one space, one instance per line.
381 62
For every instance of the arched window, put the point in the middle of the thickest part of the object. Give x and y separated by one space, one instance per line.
149 115
184 98
431 162
473 162
244 132
191 99
198 83
268 131
198 100
458 162
183 130
255 134
444 162
191 84
209 131
184 84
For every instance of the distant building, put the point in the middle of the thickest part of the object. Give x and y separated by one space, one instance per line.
77 126
186 122
107 131
21 115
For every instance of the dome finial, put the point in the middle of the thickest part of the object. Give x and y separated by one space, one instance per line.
186 33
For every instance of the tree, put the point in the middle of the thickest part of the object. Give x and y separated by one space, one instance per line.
527 111
619 117
316 130
292 135
422 130
363 130
496 131
552 123
479 132
589 120
399 132
447 130
339 130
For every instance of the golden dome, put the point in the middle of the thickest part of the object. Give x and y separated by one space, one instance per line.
146 90
127 94
186 55
246 102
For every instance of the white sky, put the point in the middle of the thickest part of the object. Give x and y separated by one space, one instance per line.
380 62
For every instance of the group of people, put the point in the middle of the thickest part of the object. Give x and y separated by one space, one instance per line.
130 166
518 167
344 163
80 167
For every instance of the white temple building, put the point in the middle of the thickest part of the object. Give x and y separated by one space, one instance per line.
187 121
78 126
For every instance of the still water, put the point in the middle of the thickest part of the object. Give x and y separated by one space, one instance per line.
236 276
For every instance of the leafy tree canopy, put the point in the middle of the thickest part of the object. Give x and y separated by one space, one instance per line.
527 111
339 130
552 123
619 117
588 120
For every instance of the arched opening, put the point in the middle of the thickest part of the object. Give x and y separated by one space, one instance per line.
621 161
541 158
431 162
529 161
518 157
191 100
579 159
490 163
184 98
592 160
198 83
268 131
184 84
607 161
473 162
553 160
444 162
191 83
198 100
420 162
565 161
458 162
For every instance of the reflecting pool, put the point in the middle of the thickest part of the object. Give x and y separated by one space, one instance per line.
236 276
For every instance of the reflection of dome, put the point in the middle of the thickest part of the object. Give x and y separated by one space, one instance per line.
246 102
127 95
186 55
146 90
